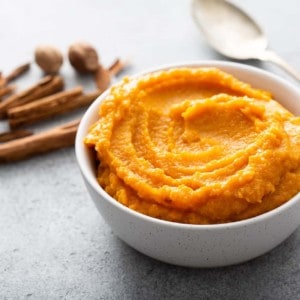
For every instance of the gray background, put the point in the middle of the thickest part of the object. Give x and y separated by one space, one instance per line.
53 242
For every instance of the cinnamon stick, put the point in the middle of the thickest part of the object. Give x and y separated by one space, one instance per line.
102 78
55 138
13 135
47 107
17 72
46 86
117 66
2 80
6 90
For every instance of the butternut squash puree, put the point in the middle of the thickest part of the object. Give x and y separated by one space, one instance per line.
196 146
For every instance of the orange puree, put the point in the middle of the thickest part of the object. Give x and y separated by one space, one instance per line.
196 146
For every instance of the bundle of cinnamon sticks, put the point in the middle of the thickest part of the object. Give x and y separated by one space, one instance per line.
39 102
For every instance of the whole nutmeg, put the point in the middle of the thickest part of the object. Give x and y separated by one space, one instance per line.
83 57
49 58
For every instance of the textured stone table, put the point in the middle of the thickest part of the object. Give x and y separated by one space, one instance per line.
53 242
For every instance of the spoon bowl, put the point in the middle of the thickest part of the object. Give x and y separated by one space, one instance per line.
225 26
233 33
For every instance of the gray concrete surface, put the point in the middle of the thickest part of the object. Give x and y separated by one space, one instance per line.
53 242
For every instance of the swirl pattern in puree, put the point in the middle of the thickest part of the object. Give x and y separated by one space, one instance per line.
196 145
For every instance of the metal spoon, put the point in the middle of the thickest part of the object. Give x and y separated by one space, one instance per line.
233 33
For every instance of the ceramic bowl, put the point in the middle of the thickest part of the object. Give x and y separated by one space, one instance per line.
196 245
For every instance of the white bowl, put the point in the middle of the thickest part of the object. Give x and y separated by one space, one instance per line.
197 245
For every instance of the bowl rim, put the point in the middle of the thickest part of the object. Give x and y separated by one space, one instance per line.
87 173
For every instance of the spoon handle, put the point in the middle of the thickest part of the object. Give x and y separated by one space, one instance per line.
276 59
